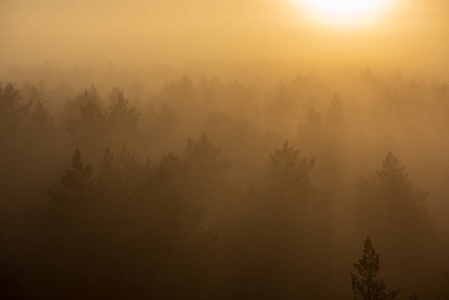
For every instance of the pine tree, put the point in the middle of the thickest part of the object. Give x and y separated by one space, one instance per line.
79 176
368 286
292 172
123 116
392 175
11 109
205 159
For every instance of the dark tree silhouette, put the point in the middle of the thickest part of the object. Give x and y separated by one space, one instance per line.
11 110
168 245
79 176
391 184
393 177
92 121
87 120
368 286
286 163
122 116
88 95
291 172
77 181
9 99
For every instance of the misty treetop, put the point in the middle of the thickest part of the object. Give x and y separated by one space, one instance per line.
214 189
89 118
11 107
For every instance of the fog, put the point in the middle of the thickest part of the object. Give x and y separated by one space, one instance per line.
410 34
216 150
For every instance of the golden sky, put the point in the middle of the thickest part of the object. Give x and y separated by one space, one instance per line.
146 31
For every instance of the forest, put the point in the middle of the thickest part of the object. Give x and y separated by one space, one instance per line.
196 187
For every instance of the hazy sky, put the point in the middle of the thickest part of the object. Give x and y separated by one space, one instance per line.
87 31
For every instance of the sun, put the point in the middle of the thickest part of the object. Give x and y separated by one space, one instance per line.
345 12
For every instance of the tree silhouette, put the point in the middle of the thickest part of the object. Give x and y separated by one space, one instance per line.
286 162
10 109
168 246
79 177
389 187
72 107
123 116
91 121
204 158
9 99
77 180
86 117
368 287
392 176
290 171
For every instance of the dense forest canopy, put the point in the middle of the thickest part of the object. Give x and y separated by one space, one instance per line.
216 189
213 149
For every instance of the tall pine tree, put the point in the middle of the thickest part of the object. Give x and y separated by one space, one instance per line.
368 286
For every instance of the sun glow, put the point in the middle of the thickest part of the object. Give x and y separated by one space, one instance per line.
345 12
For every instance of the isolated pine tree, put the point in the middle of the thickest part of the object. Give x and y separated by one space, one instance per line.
368 286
